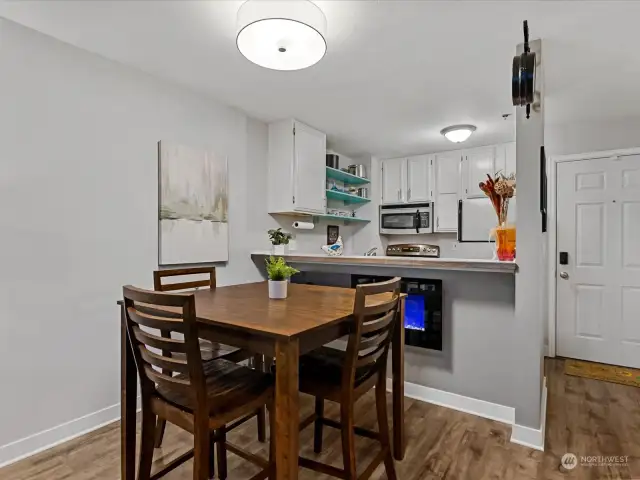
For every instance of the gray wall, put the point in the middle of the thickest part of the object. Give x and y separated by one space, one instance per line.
528 338
478 330
78 140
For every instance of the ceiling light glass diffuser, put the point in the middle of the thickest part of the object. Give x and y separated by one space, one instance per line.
458 133
282 34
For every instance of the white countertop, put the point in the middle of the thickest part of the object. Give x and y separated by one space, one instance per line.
461 264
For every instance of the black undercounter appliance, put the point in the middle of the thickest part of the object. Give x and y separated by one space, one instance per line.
423 306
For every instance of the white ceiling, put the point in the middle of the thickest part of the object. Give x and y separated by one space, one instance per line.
396 72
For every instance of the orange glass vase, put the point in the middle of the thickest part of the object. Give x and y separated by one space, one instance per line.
506 242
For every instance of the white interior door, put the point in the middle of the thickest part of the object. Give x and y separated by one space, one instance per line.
598 291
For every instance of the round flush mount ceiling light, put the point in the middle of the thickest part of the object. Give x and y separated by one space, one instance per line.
458 133
281 34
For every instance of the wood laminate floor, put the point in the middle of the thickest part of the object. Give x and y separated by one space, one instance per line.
584 417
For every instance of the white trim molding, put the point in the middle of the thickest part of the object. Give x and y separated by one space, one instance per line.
552 170
529 437
39 442
480 408
533 437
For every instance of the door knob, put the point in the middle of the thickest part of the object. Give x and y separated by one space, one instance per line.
564 275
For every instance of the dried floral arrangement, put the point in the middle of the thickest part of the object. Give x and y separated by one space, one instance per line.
500 189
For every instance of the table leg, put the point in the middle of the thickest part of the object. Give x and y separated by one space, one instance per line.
397 369
287 409
128 397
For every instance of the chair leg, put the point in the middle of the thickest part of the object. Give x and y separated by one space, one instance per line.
212 455
146 442
317 427
162 424
259 365
348 440
221 447
272 443
262 424
383 428
201 449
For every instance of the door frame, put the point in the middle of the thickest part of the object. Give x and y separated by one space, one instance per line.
552 240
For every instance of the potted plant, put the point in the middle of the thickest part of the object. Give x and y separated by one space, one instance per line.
280 241
279 273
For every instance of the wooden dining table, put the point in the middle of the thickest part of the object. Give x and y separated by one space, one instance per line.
243 316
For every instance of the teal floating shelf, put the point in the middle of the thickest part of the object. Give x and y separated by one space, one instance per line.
345 177
345 197
344 219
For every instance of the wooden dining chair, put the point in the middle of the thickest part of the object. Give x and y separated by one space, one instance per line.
345 376
206 399
209 350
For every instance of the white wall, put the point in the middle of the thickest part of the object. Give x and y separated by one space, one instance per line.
582 137
78 167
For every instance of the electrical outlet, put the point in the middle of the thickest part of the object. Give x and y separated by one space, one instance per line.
454 246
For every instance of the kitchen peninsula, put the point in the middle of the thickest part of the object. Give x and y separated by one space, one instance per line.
471 372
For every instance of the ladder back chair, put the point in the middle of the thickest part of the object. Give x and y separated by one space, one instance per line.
345 376
208 349
199 397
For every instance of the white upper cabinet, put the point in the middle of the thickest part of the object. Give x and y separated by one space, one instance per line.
296 177
476 164
394 180
510 157
419 175
447 168
446 212
310 148
447 190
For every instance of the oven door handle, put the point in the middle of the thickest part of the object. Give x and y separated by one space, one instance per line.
417 221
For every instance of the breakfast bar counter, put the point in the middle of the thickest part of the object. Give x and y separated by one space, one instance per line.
473 370
455 264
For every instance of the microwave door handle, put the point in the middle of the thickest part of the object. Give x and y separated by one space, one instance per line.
417 220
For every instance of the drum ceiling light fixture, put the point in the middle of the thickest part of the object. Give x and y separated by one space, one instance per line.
282 34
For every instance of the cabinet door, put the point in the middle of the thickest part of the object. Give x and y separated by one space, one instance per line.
419 178
447 166
477 163
510 158
446 212
310 147
394 180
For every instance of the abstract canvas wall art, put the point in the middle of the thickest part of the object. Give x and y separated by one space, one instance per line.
193 206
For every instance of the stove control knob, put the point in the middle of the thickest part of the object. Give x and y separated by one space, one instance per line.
425 249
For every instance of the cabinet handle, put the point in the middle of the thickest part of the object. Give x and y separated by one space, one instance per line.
408 194
399 195
437 222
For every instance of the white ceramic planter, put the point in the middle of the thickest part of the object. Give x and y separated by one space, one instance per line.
279 250
278 289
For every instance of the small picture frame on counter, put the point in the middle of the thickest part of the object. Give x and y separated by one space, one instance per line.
333 232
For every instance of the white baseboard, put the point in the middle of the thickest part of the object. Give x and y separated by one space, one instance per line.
489 410
529 437
38 442
532 437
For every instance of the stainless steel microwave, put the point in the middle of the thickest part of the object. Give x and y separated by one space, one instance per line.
404 219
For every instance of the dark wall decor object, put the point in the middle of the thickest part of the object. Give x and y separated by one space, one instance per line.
333 161
333 232
524 75
543 188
